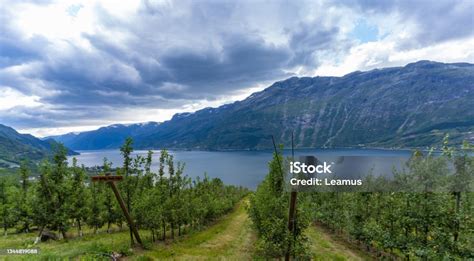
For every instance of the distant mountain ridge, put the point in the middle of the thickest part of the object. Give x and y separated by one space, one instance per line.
15 147
410 106
105 137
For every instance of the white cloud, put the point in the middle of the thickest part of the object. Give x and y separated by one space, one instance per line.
146 60
10 98
384 53
50 131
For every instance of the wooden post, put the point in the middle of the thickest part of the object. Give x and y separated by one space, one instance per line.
291 216
111 181
291 219
280 184
292 210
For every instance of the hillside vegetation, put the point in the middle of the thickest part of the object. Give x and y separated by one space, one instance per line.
15 147
410 106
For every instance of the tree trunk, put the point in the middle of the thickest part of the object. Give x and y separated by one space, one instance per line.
132 241
63 233
27 226
79 227
38 238
164 231
456 226
172 231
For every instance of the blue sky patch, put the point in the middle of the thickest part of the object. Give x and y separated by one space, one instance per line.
365 32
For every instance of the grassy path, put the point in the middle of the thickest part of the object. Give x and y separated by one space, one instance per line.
329 247
230 238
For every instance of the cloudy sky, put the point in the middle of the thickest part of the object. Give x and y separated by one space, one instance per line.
77 65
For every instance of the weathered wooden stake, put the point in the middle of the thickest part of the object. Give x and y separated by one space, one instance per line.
292 210
111 181
293 196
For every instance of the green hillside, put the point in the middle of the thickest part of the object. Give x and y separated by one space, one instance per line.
410 106
14 147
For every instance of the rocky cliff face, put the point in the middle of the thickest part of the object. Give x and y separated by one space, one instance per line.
410 106
406 106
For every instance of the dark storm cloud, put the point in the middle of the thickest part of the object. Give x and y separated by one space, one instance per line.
169 55
240 63
25 118
13 49
308 38
93 78
16 52
160 73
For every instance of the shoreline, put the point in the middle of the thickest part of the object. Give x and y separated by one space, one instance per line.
263 149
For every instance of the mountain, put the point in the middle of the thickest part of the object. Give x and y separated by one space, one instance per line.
106 137
15 146
410 106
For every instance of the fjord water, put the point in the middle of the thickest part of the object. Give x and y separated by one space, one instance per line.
245 168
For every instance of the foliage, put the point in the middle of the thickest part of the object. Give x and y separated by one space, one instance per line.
167 202
269 213
79 197
427 221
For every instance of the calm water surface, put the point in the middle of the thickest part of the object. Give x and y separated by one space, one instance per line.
246 168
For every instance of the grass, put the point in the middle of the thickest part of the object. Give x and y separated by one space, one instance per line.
326 246
230 238
93 246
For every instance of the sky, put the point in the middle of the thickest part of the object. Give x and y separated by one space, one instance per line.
69 66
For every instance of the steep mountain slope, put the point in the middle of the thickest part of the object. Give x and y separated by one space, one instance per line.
15 146
408 106
106 137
